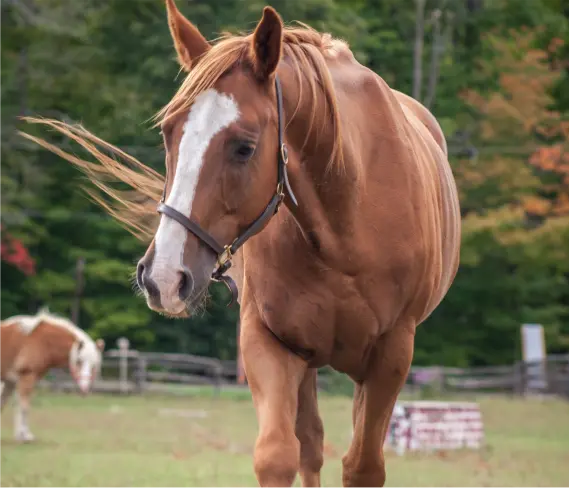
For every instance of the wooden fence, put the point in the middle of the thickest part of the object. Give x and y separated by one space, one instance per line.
547 377
128 371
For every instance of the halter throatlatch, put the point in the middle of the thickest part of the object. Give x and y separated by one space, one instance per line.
226 253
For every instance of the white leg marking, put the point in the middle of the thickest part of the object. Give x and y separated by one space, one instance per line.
8 388
22 431
211 112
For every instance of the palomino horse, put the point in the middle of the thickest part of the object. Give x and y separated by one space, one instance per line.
363 248
31 345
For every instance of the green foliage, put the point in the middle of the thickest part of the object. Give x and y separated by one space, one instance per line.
112 67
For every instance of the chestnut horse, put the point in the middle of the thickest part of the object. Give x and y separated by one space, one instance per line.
363 248
31 345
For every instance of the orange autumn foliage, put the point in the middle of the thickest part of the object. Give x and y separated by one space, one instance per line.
518 116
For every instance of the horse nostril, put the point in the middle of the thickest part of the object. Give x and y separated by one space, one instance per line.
139 272
186 284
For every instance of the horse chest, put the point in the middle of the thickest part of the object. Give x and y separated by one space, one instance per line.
317 325
303 321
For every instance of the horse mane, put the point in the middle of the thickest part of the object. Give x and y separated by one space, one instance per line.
44 315
305 48
30 322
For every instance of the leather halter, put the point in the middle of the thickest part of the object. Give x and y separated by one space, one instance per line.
225 253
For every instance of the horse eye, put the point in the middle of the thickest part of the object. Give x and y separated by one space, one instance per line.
244 151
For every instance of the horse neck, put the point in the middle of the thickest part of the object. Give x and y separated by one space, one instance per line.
325 193
57 342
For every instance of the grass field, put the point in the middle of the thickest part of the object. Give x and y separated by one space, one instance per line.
206 441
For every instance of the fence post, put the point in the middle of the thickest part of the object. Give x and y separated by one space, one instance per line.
564 378
442 380
123 345
217 378
141 373
522 379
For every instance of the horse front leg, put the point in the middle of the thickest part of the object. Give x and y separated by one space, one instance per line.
374 399
26 385
274 375
309 431
8 387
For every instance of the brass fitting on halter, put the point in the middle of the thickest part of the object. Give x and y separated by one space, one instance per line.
284 153
224 259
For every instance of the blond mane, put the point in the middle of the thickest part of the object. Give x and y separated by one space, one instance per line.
306 49
28 323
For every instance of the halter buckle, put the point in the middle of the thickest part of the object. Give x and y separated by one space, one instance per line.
225 257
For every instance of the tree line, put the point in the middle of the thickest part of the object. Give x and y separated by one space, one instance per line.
495 74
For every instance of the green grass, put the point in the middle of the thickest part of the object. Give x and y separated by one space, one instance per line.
134 441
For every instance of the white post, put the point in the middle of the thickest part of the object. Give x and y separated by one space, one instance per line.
123 345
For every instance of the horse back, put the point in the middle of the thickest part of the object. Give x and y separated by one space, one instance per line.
425 117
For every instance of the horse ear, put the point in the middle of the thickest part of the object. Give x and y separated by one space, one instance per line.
267 44
100 344
188 41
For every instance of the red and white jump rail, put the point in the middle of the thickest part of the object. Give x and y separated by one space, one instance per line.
429 426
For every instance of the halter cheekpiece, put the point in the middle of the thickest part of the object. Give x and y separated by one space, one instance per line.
225 253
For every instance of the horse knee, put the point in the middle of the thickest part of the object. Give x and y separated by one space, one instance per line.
312 460
371 473
276 460
375 477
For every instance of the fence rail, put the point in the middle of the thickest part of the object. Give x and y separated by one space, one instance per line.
546 377
129 371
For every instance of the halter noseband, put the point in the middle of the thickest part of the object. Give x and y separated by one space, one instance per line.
225 253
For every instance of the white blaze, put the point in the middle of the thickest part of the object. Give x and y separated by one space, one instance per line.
86 376
211 112
85 360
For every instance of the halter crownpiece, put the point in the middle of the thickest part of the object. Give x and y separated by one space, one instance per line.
226 253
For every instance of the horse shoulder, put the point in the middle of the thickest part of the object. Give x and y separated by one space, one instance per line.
408 120
12 339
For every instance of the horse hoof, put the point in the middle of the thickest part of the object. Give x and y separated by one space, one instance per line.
25 437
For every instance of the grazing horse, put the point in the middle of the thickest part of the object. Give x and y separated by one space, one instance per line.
31 345
330 194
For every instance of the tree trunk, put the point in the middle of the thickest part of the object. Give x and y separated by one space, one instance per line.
418 50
